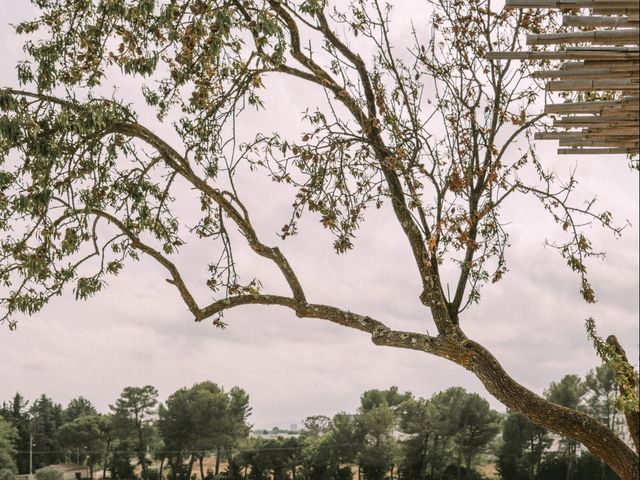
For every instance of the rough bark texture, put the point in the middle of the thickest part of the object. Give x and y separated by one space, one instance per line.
601 441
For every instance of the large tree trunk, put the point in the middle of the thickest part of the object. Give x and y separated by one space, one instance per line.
191 460
435 451
141 453
201 461
217 470
425 455
468 465
106 458
601 441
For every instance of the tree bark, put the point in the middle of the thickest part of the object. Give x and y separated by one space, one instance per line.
217 461
106 458
469 354
201 461
191 460
601 441
435 451
468 465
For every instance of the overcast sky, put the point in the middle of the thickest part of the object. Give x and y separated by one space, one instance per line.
138 332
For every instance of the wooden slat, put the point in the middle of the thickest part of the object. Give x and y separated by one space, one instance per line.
600 124
584 53
607 64
625 36
604 49
594 21
573 108
592 85
598 143
595 131
625 105
585 135
631 13
596 151
567 4
601 73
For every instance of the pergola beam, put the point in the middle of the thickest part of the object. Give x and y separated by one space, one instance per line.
596 151
586 73
599 64
583 53
626 36
626 104
572 4
593 85
595 21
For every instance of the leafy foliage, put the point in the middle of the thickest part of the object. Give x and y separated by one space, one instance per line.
429 129
202 418
49 473
133 415
86 186
8 436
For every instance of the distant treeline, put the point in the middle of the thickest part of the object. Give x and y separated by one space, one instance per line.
202 432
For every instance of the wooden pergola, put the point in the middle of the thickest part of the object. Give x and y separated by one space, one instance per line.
599 55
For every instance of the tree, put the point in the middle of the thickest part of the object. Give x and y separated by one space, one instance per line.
590 467
602 394
87 434
478 426
234 471
601 402
7 474
201 419
120 462
79 407
325 446
520 455
379 449
46 417
568 392
8 436
133 414
16 413
417 420
429 129
49 473
374 398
